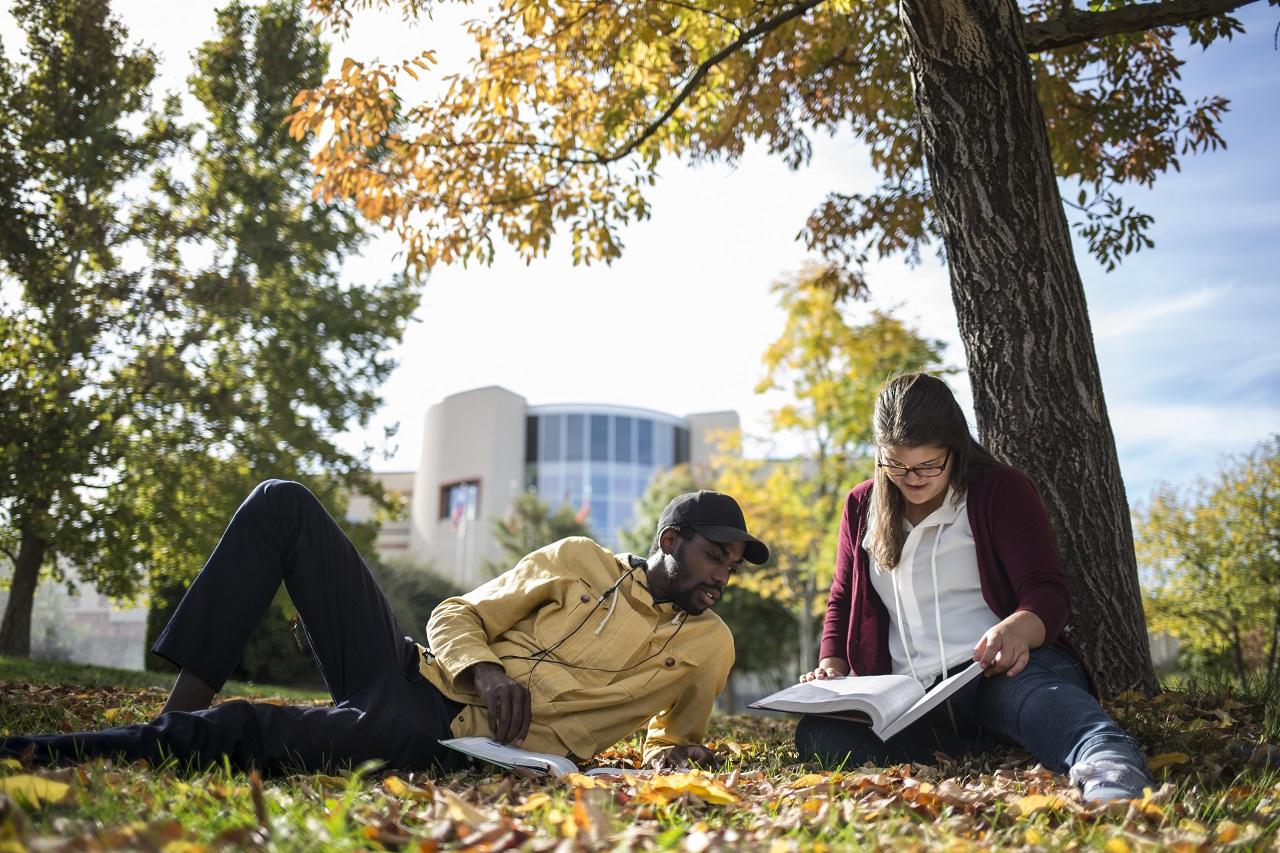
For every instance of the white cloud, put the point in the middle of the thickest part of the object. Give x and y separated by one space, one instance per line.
1118 323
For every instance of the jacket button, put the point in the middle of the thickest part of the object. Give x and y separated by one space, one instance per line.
584 598
669 662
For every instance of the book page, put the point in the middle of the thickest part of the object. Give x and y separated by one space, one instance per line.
940 693
504 755
880 697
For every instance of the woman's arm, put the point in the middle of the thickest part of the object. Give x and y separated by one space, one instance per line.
835 628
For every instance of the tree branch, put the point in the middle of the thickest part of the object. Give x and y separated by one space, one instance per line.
691 85
1077 27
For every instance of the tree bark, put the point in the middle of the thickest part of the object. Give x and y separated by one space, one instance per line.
15 631
1021 310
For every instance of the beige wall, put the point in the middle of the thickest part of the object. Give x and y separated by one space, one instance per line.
474 435
703 430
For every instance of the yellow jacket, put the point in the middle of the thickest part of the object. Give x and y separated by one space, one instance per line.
631 660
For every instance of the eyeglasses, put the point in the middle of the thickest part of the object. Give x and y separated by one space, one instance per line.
926 471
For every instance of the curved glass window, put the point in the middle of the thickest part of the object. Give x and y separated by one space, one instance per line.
600 462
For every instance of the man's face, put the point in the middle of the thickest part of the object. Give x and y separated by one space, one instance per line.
698 570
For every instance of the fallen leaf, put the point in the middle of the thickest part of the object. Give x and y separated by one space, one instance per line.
533 803
34 791
1166 759
397 787
460 810
664 789
582 780
1025 806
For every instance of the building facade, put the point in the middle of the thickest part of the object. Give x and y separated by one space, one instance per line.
481 448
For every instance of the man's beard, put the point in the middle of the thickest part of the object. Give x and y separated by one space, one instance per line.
690 599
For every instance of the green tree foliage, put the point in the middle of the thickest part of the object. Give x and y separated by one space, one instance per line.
763 628
1213 558
174 328
830 368
529 524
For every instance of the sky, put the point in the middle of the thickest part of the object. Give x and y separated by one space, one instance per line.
1186 333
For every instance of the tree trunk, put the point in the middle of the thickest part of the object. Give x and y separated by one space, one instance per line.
15 631
804 622
1021 310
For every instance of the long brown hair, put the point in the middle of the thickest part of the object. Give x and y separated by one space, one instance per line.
913 410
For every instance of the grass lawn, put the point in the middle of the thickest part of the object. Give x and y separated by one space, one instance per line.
1219 788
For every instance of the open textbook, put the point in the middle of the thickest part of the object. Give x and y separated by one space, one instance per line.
525 760
890 702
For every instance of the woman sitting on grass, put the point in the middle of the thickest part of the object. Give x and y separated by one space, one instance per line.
943 547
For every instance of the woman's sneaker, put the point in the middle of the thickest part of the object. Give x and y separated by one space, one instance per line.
1106 779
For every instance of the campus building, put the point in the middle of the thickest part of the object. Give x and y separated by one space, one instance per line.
481 448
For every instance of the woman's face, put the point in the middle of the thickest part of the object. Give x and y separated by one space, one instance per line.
909 469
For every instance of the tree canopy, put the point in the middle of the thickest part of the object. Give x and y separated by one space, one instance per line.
561 119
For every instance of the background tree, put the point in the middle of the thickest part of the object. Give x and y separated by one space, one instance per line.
528 525
151 396
830 368
1213 557
971 110
764 631
74 322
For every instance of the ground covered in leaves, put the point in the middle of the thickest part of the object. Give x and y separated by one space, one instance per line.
1219 788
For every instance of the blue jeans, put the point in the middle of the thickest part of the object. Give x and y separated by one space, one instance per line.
1046 709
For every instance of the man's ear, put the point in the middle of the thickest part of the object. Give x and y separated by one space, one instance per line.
667 540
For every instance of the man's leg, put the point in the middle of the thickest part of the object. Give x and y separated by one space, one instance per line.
282 533
1048 709
274 738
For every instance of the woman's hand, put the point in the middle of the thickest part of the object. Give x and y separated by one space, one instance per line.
827 668
1006 647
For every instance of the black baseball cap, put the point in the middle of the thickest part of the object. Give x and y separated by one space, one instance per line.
716 516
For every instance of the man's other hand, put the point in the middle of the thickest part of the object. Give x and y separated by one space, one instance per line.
680 757
506 703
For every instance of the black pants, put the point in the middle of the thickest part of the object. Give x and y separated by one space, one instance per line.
384 710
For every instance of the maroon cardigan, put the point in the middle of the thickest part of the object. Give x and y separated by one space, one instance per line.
1018 568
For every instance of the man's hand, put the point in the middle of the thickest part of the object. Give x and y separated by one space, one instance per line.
506 703
1007 646
827 668
680 757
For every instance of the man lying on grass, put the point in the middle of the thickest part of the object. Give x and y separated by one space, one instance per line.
567 653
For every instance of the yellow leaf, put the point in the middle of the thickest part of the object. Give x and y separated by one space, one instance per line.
1118 845
1227 832
582 780
809 780
397 787
533 803
664 789
11 762
1166 759
1192 826
460 810
111 713
1033 836
1038 802
34 791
